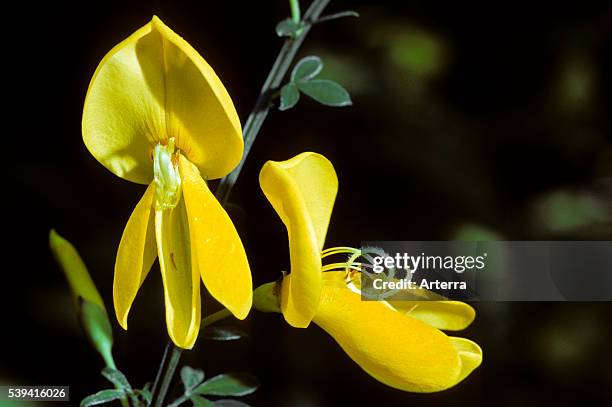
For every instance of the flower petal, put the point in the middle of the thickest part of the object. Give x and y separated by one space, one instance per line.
470 354
302 190
447 315
121 115
135 255
424 305
202 116
180 275
215 245
153 86
397 350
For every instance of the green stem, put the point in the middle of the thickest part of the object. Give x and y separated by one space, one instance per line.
162 364
168 365
107 355
336 16
264 102
295 11
180 400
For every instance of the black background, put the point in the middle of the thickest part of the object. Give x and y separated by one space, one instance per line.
477 141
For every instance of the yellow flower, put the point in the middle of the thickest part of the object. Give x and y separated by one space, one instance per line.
156 113
302 190
398 343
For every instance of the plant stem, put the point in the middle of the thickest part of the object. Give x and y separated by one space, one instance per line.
335 16
264 101
168 365
179 400
158 376
295 10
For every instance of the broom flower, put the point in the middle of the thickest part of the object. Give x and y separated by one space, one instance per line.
401 345
157 114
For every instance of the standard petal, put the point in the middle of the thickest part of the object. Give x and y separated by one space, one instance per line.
215 244
302 190
153 86
180 275
447 315
307 182
135 256
202 116
122 117
397 350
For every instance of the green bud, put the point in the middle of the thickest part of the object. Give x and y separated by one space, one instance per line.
69 260
89 305
266 297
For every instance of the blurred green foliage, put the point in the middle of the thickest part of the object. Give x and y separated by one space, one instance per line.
567 211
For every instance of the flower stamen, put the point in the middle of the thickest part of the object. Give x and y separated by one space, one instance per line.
167 176
349 266
339 250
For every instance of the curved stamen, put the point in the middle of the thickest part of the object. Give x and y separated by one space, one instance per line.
347 266
341 267
354 270
337 250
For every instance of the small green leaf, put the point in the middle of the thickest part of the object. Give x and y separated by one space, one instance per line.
146 392
307 68
231 384
117 378
96 325
289 28
101 397
230 403
222 333
201 402
191 377
289 96
326 92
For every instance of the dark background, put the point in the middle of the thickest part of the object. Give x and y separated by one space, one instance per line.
470 121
